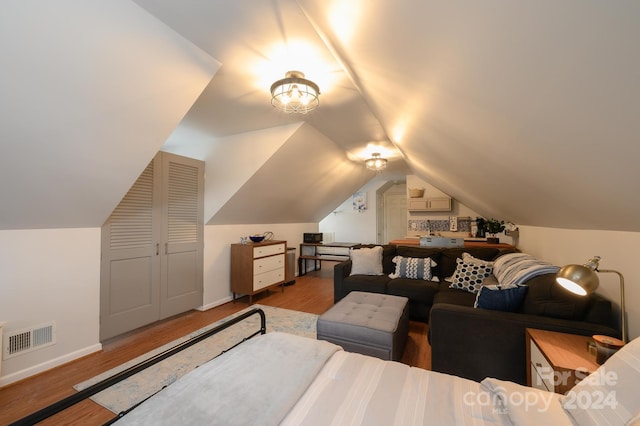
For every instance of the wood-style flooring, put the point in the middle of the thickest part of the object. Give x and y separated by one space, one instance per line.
311 293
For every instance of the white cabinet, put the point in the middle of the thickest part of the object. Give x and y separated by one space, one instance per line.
437 204
257 266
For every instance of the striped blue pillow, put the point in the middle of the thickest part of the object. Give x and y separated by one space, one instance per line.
415 268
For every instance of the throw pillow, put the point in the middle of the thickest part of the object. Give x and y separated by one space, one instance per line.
366 261
610 394
470 272
501 298
414 268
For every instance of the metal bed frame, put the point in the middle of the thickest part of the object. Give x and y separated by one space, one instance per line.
67 402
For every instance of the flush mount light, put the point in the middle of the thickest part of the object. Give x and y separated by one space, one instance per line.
376 162
294 93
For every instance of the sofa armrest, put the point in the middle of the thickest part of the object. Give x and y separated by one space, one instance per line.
340 272
478 343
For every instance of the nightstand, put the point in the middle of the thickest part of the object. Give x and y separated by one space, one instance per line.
558 361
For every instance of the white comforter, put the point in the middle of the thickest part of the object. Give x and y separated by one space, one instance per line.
354 389
284 379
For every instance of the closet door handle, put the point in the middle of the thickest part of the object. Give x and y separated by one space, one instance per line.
157 249
166 248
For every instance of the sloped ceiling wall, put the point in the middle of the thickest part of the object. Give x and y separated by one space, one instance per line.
90 92
302 182
526 111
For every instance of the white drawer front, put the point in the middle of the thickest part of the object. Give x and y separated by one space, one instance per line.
536 380
262 251
270 263
541 367
266 279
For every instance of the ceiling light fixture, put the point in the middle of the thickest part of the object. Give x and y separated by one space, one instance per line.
294 93
376 162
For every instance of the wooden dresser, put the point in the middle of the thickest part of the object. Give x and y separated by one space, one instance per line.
255 267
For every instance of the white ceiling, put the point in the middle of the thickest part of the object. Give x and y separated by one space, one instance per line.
525 111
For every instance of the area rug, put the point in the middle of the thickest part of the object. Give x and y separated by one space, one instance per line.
136 388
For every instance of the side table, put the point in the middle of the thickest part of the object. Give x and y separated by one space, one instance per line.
558 361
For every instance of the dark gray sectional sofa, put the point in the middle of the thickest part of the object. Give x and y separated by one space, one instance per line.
471 342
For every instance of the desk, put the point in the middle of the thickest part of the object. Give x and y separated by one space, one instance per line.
322 251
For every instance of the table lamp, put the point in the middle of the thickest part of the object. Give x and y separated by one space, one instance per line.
583 280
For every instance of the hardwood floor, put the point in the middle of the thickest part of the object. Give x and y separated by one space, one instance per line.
311 293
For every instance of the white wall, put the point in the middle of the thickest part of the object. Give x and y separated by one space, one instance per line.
350 226
619 251
217 249
50 275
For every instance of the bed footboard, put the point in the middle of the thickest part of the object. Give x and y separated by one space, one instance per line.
71 400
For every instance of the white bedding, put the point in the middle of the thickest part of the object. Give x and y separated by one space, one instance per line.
354 389
285 379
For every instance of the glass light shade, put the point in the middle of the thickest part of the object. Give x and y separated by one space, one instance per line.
295 94
376 162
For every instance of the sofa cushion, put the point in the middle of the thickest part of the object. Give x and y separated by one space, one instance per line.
366 261
454 297
546 297
599 311
370 283
470 273
415 290
413 267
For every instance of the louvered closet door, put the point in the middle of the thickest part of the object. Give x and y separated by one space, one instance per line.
152 247
182 234
130 266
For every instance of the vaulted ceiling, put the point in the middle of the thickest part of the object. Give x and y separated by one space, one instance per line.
526 111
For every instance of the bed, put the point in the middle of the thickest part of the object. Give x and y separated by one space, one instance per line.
278 378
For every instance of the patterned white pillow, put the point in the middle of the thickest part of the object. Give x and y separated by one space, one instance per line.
414 268
470 273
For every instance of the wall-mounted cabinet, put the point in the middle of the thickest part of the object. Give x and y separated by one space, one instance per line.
422 197
436 204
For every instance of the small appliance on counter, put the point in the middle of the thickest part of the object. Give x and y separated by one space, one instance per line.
312 237
441 242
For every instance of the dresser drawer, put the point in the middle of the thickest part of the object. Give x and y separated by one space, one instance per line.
262 251
267 278
270 263
541 370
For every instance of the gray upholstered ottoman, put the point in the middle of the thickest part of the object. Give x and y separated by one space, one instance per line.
368 323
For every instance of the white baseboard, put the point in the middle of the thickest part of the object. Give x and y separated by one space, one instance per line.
214 304
28 372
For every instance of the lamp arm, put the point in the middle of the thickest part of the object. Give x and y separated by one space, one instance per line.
623 314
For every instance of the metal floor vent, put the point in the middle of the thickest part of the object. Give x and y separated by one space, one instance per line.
23 341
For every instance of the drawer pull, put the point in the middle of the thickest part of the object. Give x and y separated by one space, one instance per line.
538 365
